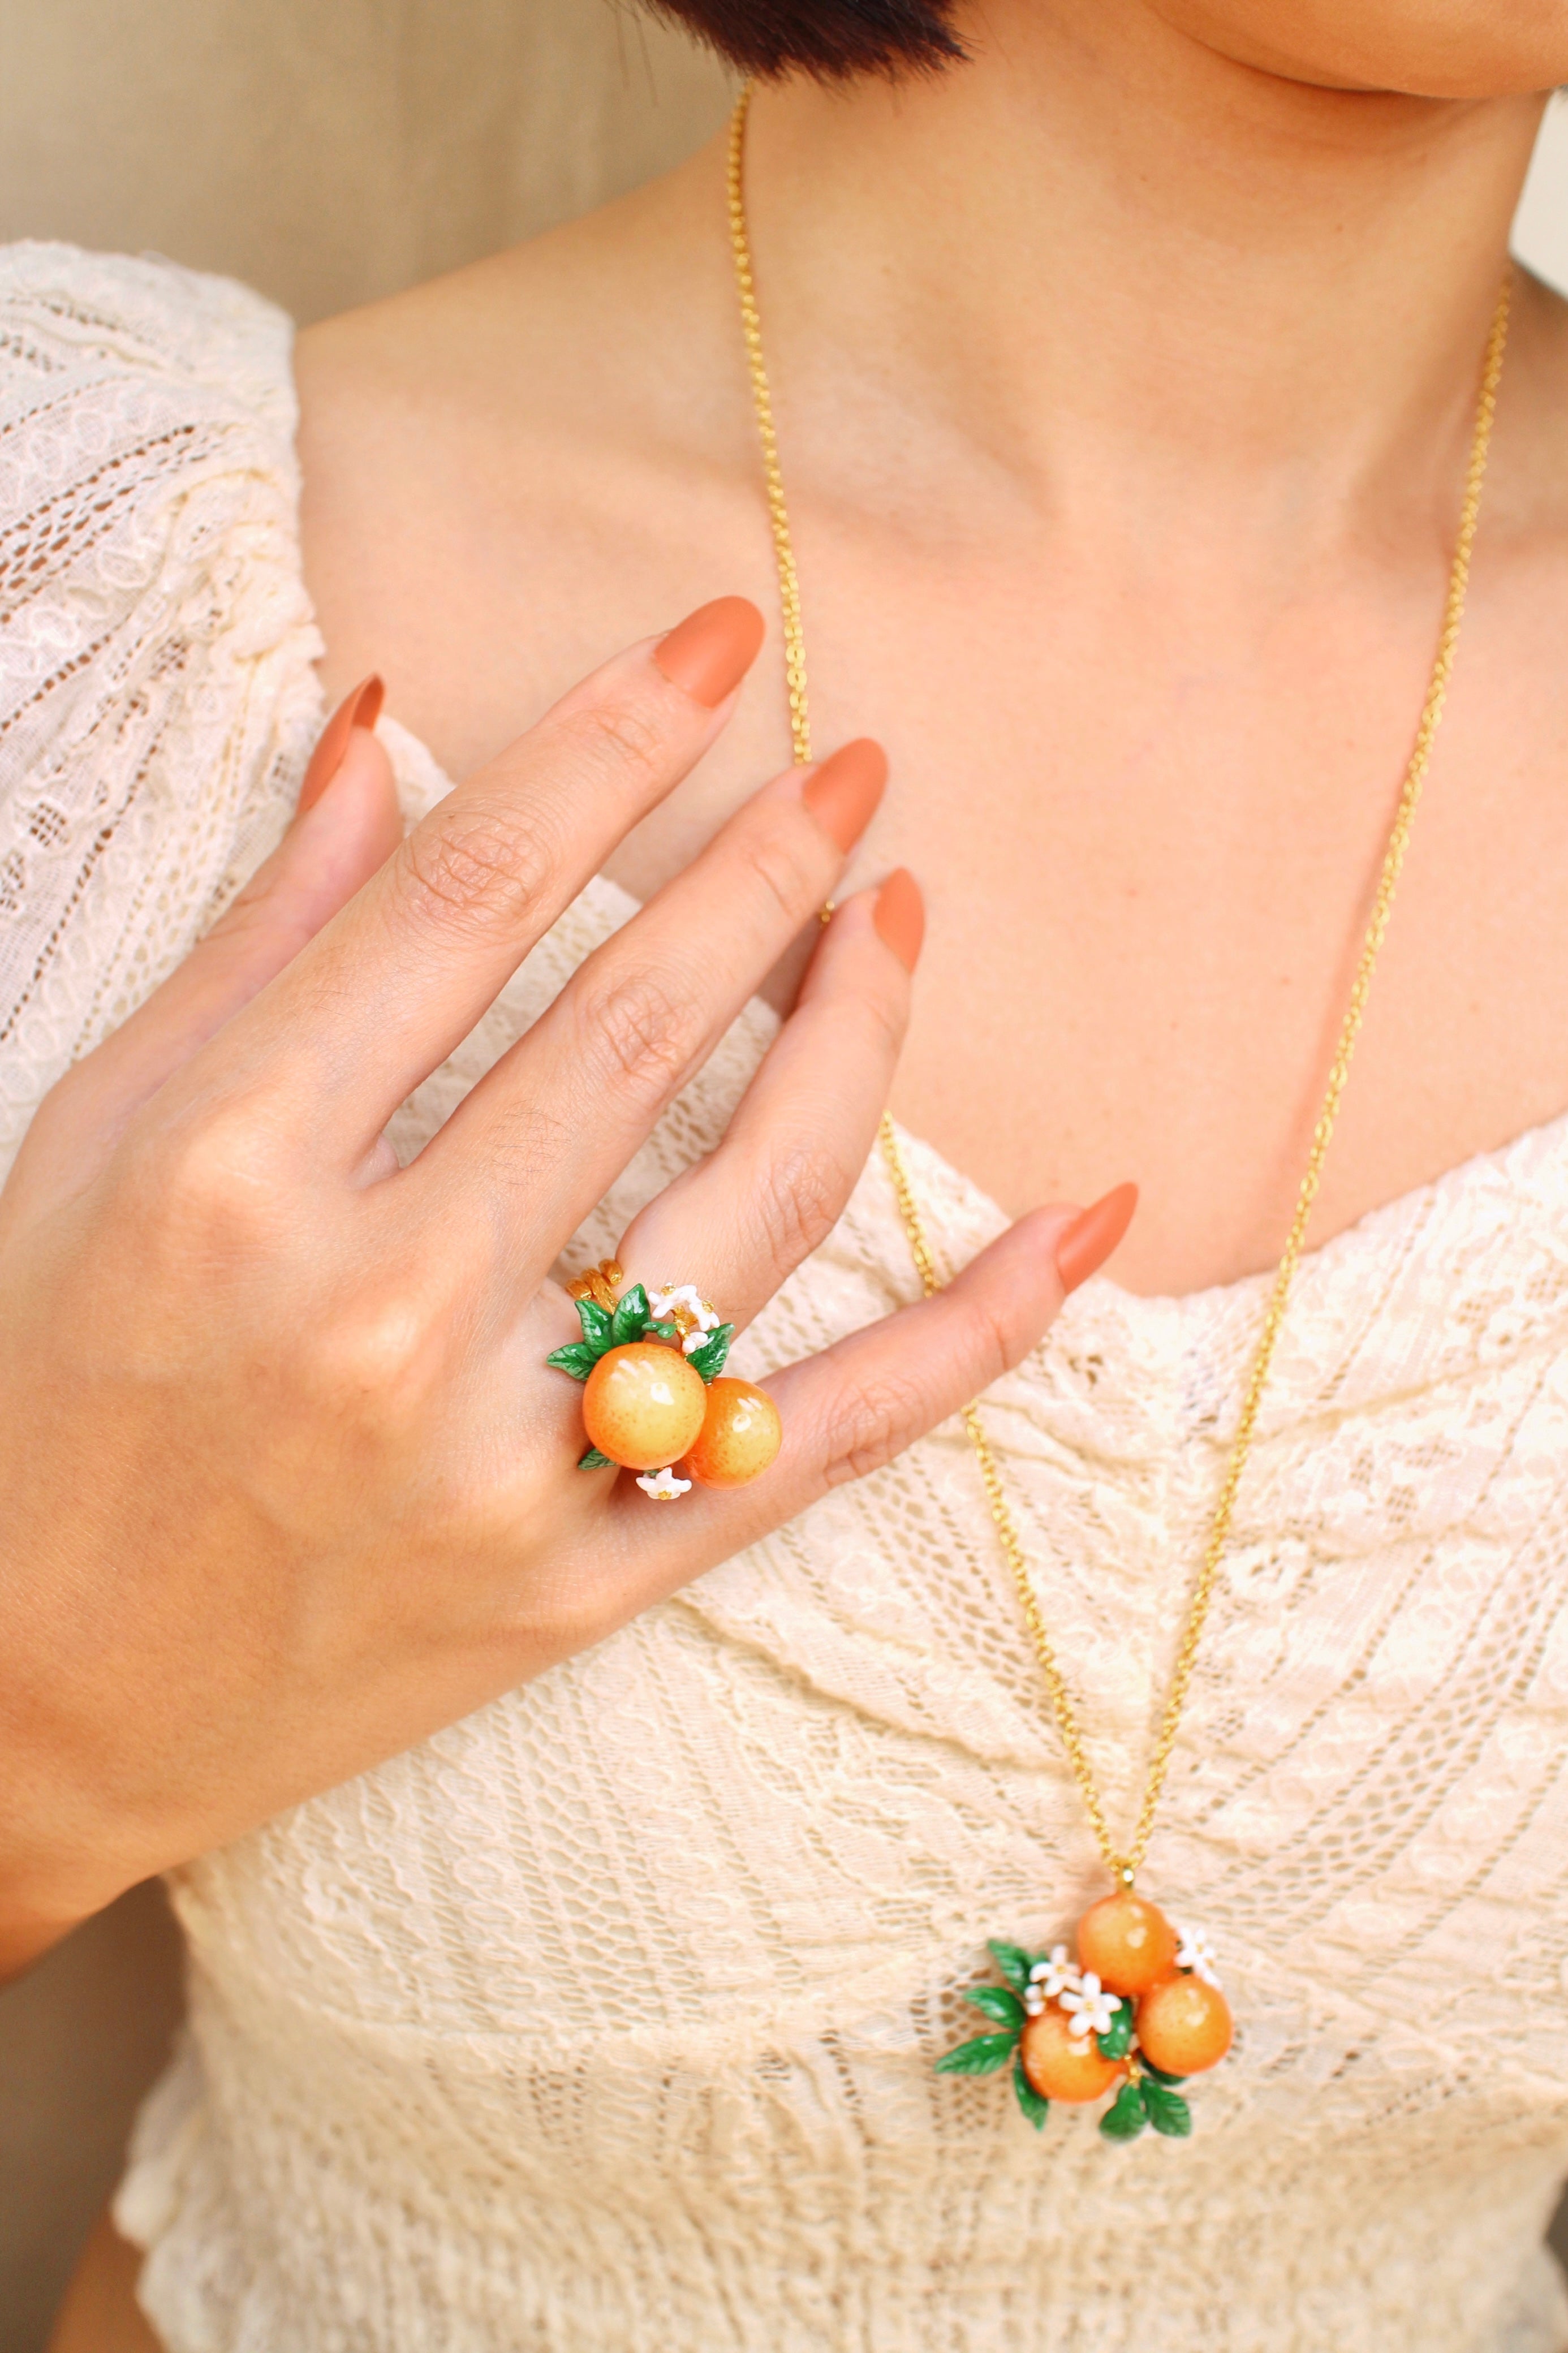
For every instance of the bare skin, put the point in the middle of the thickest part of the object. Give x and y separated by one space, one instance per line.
1129 545
1124 377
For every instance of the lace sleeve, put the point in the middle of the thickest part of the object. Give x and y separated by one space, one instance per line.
157 697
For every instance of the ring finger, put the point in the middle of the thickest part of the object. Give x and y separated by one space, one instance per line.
740 1221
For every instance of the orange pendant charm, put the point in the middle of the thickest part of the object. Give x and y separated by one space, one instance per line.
1136 2007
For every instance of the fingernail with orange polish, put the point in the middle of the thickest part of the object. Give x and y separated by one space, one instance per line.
709 653
1093 1235
900 915
843 794
360 709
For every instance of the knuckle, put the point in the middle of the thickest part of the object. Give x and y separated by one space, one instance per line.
528 1144
798 1199
997 1337
883 1416
367 1363
476 871
783 861
620 737
218 1175
887 1020
637 1032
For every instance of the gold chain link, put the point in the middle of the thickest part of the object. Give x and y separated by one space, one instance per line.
1124 1864
763 403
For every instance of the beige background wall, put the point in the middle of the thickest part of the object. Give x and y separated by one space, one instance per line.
331 150
327 150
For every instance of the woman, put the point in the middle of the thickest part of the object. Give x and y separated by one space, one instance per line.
571 1941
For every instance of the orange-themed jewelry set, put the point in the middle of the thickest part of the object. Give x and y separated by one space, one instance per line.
1133 2007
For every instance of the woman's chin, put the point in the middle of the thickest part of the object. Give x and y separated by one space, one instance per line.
1412 49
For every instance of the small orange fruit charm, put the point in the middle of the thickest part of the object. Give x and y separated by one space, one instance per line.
1062 2065
1184 2026
740 1435
1129 1944
643 1405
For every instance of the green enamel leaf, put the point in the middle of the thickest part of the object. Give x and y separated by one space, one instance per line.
652 1331
1113 2043
981 2057
1167 2111
1125 2117
1158 2072
1029 2100
630 1318
1014 1963
594 1460
708 1359
596 1324
579 1360
997 2003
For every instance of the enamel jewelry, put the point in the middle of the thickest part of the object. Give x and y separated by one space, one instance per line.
1140 2009
656 1399
1134 2010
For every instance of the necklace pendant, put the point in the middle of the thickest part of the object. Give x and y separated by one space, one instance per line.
1134 2009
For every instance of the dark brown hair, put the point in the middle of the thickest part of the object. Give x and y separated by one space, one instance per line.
832 39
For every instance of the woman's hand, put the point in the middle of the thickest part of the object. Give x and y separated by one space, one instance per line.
285 1481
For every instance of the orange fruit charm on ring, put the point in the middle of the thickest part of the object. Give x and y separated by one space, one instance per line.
1130 1944
1061 2065
643 1405
740 1435
1184 2026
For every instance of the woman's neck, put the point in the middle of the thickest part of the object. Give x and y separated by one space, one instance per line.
1103 250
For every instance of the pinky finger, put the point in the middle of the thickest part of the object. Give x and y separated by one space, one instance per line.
860 1403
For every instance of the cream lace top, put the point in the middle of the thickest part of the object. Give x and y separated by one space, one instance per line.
607 2018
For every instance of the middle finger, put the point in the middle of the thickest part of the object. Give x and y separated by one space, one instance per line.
559 1115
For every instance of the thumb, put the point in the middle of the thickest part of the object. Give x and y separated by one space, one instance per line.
345 825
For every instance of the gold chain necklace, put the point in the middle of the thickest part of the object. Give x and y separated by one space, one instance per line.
1138 1988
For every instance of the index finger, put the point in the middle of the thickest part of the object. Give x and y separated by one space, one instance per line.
396 980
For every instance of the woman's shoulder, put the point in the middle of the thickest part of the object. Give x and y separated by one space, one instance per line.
513 468
134 394
157 689
129 388
147 473
68 316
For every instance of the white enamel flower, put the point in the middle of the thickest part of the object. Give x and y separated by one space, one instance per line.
702 1312
663 1485
1090 2010
1195 1952
1058 1974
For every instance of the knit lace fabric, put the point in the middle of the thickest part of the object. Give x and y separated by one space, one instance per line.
606 2018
